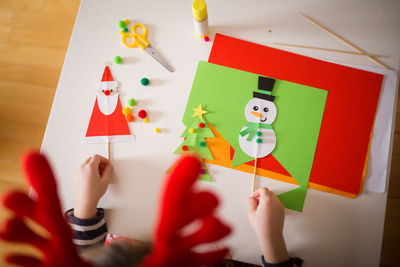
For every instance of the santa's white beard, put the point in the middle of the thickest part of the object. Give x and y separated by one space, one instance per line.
107 104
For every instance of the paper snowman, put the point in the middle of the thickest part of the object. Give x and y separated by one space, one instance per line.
257 139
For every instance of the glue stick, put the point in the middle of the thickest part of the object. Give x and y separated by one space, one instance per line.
200 19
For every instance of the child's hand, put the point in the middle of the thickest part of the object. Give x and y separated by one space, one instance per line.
93 178
267 216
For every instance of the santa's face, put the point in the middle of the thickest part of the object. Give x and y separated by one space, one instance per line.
107 100
260 111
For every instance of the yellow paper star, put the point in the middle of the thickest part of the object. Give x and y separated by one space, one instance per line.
199 112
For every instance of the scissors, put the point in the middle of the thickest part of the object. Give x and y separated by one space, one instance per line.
139 40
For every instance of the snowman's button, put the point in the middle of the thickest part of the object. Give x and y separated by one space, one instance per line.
191 130
259 133
259 140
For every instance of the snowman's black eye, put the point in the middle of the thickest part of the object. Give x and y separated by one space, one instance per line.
255 108
111 90
266 109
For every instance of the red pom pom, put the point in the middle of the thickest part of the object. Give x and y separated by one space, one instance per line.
206 39
201 125
107 92
142 114
184 148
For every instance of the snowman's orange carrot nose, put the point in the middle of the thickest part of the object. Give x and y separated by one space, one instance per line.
257 114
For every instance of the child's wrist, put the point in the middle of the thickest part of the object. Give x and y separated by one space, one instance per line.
274 248
85 210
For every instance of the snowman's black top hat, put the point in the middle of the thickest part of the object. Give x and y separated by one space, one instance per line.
265 86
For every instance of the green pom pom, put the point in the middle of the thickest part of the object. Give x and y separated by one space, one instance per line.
131 102
145 81
118 60
125 29
121 23
202 144
259 140
259 133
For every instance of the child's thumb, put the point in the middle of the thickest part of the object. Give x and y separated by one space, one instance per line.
252 204
106 175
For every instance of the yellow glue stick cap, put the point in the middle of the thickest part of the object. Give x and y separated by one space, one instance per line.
199 10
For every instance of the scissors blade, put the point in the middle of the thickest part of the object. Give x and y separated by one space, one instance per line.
152 52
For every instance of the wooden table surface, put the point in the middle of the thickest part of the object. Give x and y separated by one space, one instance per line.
34 37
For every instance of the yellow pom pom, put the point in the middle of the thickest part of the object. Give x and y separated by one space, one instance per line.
157 130
126 111
121 32
127 22
145 120
191 130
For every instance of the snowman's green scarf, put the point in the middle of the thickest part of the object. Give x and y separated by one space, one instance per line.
252 128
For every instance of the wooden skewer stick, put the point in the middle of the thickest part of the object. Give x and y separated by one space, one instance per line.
328 49
255 174
108 150
344 41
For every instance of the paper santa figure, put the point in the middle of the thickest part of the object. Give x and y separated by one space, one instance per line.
107 123
257 139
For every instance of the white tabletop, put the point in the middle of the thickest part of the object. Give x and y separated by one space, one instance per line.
331 231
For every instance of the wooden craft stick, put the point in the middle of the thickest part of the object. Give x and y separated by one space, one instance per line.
254 175
344 41
108 150
327 49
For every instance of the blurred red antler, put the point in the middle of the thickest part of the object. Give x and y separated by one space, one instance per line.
180 206
59 249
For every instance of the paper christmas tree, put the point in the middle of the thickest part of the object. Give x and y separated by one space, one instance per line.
195 136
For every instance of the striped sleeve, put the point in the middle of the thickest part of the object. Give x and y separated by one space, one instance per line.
87 232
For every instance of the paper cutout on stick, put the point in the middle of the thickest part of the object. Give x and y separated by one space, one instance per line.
257 138
107 123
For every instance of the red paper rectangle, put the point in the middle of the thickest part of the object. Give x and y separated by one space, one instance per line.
353 96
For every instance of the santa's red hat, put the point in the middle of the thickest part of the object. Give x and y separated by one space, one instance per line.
107 80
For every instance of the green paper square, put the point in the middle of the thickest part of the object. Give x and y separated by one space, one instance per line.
224 93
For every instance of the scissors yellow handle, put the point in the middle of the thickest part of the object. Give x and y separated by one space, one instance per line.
139 40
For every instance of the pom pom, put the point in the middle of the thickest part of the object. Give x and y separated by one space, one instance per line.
117 60
145 81
129 117
131 102
259 133
142 114
191 130
127 21
146 120
206 39
107 92
125 29
201 125
184 148
259 140
157 130
202 144
121 24
126 111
